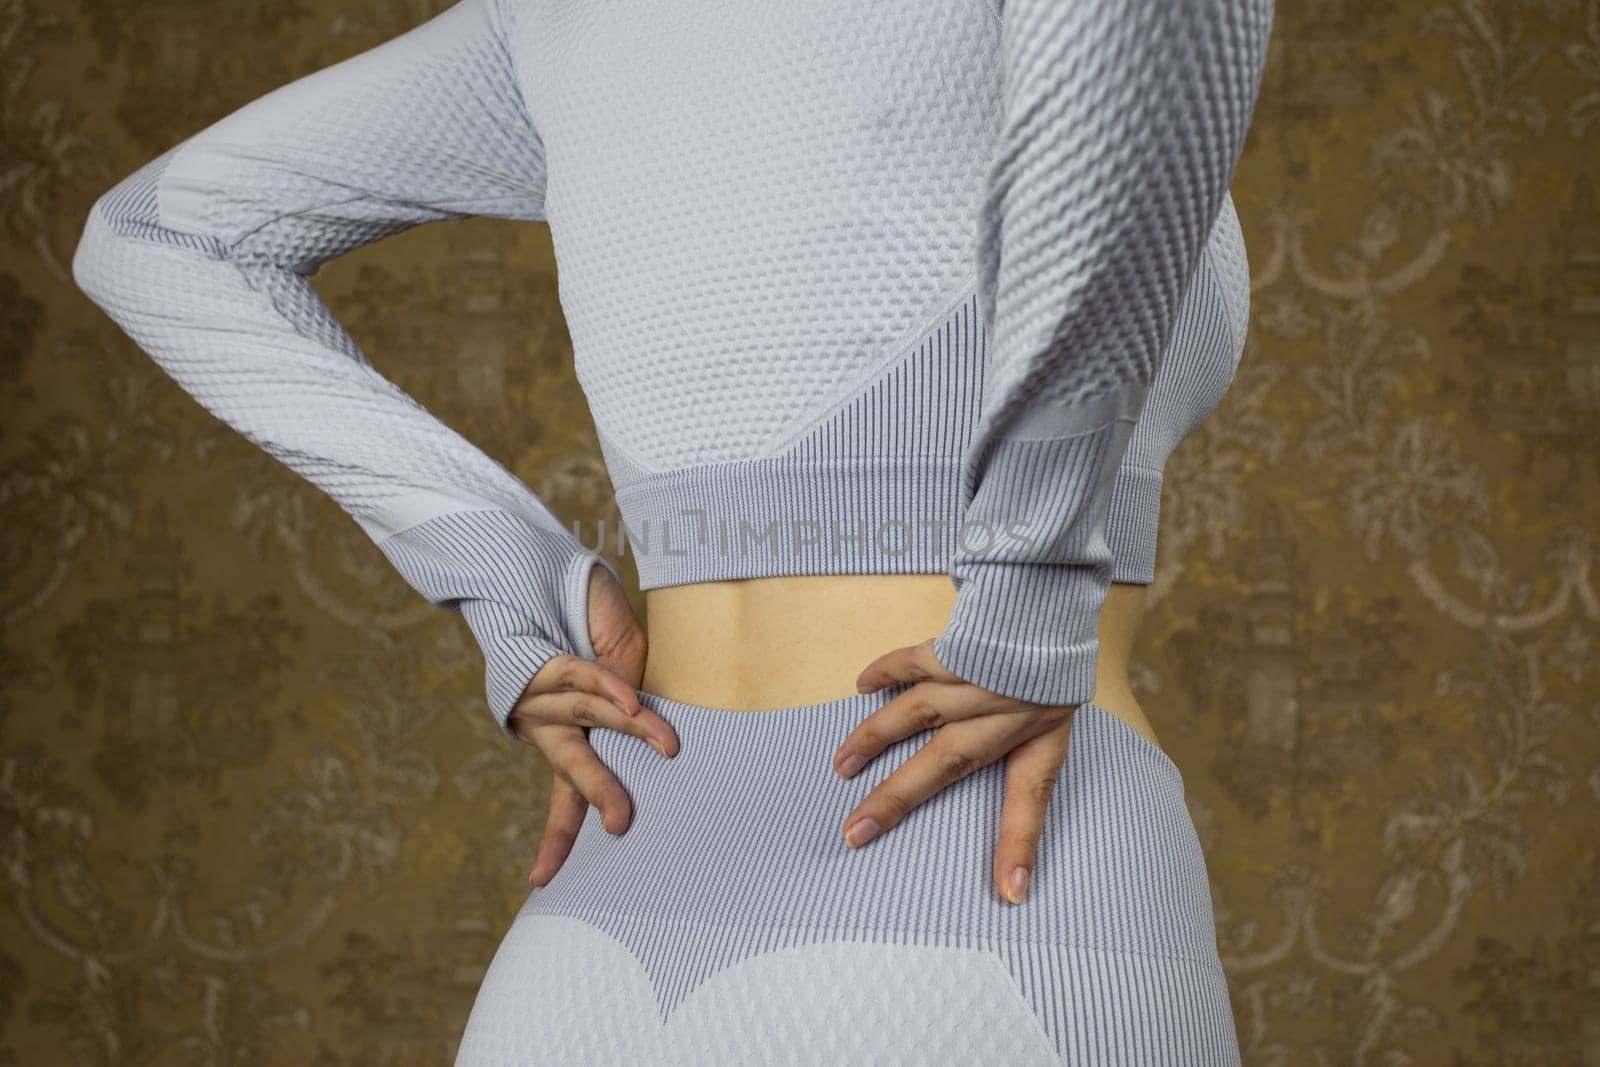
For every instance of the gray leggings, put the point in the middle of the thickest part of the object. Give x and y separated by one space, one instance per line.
731 924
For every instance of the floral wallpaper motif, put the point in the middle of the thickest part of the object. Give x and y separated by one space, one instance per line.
253 811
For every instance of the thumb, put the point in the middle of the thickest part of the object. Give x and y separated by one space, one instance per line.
614 631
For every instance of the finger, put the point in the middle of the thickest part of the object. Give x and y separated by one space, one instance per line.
578 708
925 706
955 752
1032 770
569 753
561 826
568 673
913 663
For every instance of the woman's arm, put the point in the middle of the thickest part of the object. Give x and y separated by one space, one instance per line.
204 256
1122 122
1121 127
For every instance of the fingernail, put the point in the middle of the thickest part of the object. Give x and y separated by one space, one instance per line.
1017 884
658 746
862 687
627 709
851 764
861 831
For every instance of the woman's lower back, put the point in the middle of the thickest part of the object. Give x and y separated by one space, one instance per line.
764 643
732 924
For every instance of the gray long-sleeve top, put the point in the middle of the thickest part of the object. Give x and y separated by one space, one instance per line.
852 287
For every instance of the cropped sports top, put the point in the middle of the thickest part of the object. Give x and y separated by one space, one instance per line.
852 287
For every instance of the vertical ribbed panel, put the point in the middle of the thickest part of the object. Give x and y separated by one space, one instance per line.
1133 523
522 589
872 489
924 405
843 496
735 851
743 828
1197 369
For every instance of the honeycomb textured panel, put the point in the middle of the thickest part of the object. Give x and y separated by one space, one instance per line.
852 288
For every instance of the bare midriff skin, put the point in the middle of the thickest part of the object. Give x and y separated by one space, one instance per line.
762 643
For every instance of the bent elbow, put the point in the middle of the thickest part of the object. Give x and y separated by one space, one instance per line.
90 259
121 242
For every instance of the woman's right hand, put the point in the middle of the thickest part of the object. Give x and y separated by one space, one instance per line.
568 695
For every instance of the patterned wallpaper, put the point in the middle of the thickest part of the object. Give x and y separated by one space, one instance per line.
253 810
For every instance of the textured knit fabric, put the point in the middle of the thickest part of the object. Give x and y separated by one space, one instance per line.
852 287
1196 371
731 924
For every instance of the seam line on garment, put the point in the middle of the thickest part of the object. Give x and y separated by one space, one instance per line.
586 913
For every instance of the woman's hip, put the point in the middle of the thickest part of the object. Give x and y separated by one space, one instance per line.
732 903
742 827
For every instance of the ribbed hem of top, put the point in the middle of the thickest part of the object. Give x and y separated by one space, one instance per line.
793 516
1132 522
771 518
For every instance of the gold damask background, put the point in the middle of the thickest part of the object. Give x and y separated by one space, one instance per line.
252 807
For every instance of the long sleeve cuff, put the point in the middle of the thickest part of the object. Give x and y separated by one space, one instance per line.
1026 631
522 588
1032 566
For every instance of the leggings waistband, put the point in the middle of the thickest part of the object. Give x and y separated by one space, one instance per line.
835 718
743 827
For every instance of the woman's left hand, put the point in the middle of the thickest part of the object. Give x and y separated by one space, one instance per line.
974 727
